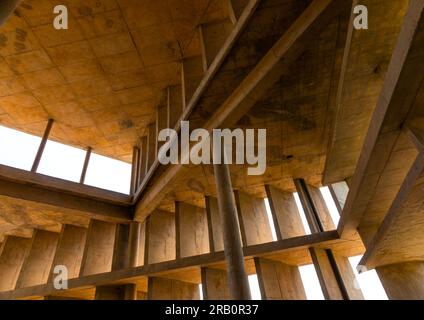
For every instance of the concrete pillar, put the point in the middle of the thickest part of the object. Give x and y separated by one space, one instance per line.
162 119
121 251
403 281
135 235
236 8
237 277
212 37
151 146
175 104
134 169
191 75
143 160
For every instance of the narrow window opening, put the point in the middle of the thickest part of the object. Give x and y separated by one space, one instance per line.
254 287
369 282
302 213
270 220
201 292
311 283
329 202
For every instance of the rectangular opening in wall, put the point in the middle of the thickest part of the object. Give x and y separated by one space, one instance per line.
369 282
331 206
270 220
311 283
201 292
302 213
254 287
17 149
108 174
62 161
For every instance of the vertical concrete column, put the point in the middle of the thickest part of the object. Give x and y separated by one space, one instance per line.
143 160
135 236
237 277
151 146
121 252
162 118
134 169
175 105
403 281
212 37
191 74
235 8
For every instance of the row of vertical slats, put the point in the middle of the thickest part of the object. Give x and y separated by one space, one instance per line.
167 236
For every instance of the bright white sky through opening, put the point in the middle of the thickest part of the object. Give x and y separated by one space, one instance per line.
108 174
18 150
62 161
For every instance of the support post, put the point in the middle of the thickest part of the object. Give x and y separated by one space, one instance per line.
85 167
134 169
403 281
142 171
237 277
135 233
42 146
